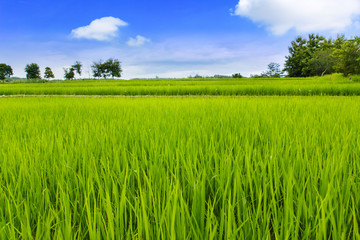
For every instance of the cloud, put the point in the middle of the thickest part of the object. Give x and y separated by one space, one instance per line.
138 41
304 16
102 29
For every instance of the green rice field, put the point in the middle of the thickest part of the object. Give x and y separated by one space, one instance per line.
222 167
335 85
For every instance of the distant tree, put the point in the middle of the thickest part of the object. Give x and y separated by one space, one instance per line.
349 57
113 67
301 51
219 76
48 73
98 69
293 63
273 70
318 56
69 73
237 75
32 71
5 71
262 75
77 67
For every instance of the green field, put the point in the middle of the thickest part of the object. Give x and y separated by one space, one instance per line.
335 85
179 168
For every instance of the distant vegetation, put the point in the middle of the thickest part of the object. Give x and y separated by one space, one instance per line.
215 76
109 68
48 73
69 73
5 71
315 56
335 85
32 71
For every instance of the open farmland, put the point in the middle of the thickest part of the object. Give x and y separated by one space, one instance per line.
335 85
178 168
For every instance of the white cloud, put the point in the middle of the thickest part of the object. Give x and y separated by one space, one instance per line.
304 16
102 29
138 41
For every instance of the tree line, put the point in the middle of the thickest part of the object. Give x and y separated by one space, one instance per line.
314 56
109 68
317 56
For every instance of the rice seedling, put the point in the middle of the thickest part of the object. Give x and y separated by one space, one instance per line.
335 85
180 168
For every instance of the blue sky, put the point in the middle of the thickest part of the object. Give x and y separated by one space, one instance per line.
165 38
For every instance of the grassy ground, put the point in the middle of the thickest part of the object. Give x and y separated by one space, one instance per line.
180 168
335 85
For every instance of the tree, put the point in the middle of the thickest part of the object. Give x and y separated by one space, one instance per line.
322 62
301 51
77 67
262 75
220 76
69 73
273 70
32 71
109 68
349 57
113 67
197 76
237 75
314 43
98 69
293 62
318 56
5 71
48 73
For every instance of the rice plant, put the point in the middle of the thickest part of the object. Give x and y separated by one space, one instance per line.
180 168
335 85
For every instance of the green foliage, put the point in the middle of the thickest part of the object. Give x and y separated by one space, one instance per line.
77 67
109 68
262 75
318 56
48 73
69 73
32 71
5 71
180 168
301 51
322 62
113 68
349 57
237 75
221 76
273 70
98 69
196 76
